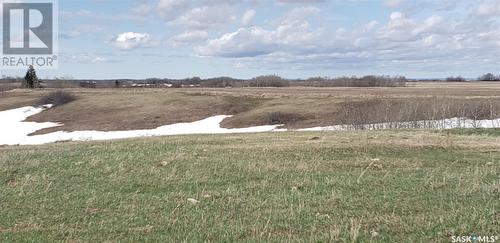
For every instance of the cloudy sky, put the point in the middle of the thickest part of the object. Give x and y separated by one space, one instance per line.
291 38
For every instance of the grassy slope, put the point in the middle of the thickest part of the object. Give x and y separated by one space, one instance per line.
420 186
108 110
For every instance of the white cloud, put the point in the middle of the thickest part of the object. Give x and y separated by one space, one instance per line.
207 17
132 40
247 17
195 15
490 8
423 31
402 28
294 29
409 42
189 37
292 32
245 42
171 9
301 13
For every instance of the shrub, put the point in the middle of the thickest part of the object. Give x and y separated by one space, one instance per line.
283 118
56 98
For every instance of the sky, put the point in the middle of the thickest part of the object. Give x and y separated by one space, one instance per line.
107 39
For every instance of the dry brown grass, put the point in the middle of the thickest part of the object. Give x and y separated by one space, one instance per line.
19 97
9 86
416 89
110 110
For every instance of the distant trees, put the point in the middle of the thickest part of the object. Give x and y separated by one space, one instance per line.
269 81
382 81
486 77
489 77
221 82
365 81
218 82
455 79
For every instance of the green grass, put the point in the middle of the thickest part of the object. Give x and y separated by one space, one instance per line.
350 186
480 131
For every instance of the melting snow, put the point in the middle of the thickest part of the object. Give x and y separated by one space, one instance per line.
14 130
450 123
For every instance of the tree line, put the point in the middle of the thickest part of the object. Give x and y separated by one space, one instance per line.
224 82
486 77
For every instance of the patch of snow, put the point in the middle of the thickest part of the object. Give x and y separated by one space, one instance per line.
209 125
15 132
450 123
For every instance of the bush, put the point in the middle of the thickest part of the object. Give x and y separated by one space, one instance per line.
56 98
283 118
269 81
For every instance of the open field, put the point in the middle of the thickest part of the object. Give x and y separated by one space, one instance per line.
250 121
406 186
295 107
382 186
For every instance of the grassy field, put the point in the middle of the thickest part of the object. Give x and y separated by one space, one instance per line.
386 186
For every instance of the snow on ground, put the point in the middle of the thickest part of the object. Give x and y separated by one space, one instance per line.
450 123
14 130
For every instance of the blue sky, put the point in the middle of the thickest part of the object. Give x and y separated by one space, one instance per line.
291 38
